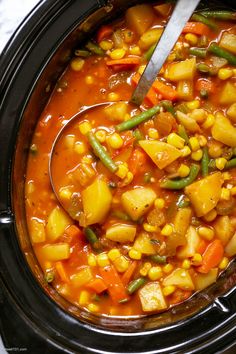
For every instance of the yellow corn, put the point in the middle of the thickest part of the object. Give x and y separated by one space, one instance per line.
101 135
183 170
84 127
145 268
224 262
150 228
122 171
80 147
117 53
155 273
92 260
128 179
186 151
159 203
227 176
134 254
233 191
225 73
87 159
220 163
84 298
113 96
193 104
199 114
121 264
113 254
211 215
115 141
225 194
194 143
93 307
191 38
175 140
89 80
196 259
167 230
106 45
103 260
215 149
77 64
167 268
168 290
135 50
65 193
186 264
202 140
153 133
206 233
210 120
197 155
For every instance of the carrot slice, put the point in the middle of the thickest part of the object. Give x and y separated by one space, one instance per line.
179 296
202 246
167 92
212 256
104 32
97 285
205 84
73 231
151 96
136 161
124 61
196 28
128 273
115 286
61 272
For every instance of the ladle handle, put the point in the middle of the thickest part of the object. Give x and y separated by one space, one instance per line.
181 14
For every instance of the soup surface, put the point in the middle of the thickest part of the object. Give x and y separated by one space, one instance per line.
148 192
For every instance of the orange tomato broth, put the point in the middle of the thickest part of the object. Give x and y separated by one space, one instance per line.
74 90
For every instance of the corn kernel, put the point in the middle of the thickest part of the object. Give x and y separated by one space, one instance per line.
194 143
113 254
150 228
197 155
183 170
93 307
224 73
153 133
215 149
121 264
233 191
80 147
101 135
89 171
77 64
202 140
135 50
225 194
155 273
186 151
211 215
127 116
224 262
191 38
145 269
92 260
167 230
87 159
122 171
220 163
196 259
106 45
175 140
134 254
89 80
186 264
84 298
193 104
199 114
84 127
168 290
159 203
227 176
113 96
103 260
167 268
117 53
128 179
141 69
115 141
65 193
206 233
210 120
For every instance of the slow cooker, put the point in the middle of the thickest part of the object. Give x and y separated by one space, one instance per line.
34 317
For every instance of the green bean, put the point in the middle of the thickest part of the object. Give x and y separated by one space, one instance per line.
203 41
203 68
220 14
101 153
222 53
147 55
183 182
94 48
156 258
134 285
198 52
140 118
182 133
212 164
182 202
199 18
120 215
138 135
82 53
167 105
92 238
230 164
205 162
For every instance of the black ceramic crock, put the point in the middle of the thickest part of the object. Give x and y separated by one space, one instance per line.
33 315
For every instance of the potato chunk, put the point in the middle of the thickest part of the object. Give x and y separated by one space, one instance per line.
96 200
180 278
143 244
82 277
58 220
121 233
138 201
150 37
162 154
56 252
223 130
37 231
230 248
223 229
205 194
228 42
228 94
202 281
190 248
139 18
116 111
151 297
182 220
183 70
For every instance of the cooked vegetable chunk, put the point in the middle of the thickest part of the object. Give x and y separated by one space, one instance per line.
37 231
224 131
191 247
57 222
121 233
56 252
151 297
180 278
202 281
139 18
228 42
183 70
230 248
228 94
182 220
143 244
223 228
205 193
150 37
82 277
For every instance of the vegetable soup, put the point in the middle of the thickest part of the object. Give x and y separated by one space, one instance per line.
146 214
